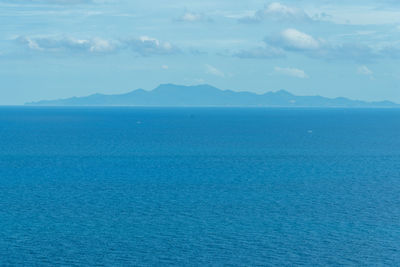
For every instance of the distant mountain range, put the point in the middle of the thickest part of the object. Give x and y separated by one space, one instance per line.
206 95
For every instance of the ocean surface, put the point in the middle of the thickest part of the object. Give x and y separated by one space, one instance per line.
199 187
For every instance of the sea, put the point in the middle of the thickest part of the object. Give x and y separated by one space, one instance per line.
130 186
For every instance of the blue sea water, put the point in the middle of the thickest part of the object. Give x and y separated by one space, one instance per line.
199 187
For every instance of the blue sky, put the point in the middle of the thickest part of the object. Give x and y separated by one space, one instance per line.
60 48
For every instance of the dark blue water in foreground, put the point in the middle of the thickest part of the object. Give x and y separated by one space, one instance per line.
199 187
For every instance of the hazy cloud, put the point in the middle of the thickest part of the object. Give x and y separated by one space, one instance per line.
391 51
193 17
52 2
265 52
214 71
364 70
293 72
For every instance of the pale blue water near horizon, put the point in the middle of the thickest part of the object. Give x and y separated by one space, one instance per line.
199 187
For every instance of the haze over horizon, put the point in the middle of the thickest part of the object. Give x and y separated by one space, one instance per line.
51 49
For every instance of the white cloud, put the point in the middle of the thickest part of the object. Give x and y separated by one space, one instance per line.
214 71
164 67
293 40
143 46
279 12
100 45
147 46
32 44
57 44
278 8
364 70
293 72
188 16
296 40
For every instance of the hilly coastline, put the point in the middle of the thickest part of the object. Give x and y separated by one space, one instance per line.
171 95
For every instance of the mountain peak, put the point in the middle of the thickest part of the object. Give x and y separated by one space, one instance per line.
283 92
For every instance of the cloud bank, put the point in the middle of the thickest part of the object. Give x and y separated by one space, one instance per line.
293 40
143 45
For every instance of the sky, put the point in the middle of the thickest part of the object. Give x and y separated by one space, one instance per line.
52 49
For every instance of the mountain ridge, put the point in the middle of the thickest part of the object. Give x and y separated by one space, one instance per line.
207 95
